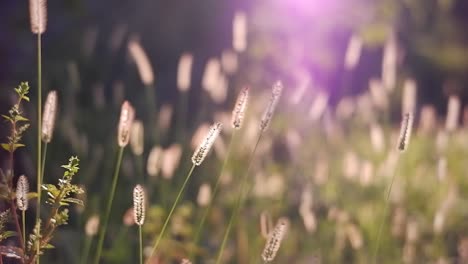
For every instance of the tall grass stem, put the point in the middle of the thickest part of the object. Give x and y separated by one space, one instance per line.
39 120
385 209
215 191
161 234
141 244
102 232
239 200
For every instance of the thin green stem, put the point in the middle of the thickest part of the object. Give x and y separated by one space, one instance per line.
86 249
39 120
161 234
215 191
44 154
24 227
103 230
385 209
141 244
239 201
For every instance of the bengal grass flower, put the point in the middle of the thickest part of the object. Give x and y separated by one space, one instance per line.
22 189
153 164
139 205
184 72
142 62
239 31
137 137
405 132
38 16
238 112
270 110
274 241
204 195
353 52
205 146
127 115
92 226
48 118
139 213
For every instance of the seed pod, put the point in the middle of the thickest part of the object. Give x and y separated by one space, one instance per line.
48 119
22 189
239 109
127 114
270 110
139 205
200 153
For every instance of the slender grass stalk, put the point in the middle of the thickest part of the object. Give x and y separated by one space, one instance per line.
86 249
23 214
215 191
161 234
141 244
385 210
44 155
39 120
103 230
239 200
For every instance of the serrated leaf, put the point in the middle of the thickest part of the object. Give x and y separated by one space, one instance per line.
74 200
26 98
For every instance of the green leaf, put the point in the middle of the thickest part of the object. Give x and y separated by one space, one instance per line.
17 145
74 200
5 146
8 234
7 118
26 98
21 118
48 246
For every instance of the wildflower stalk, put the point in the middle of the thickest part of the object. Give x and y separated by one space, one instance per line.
161 234
215 191
141 244
385 209
403 142
103 230
44 155
23 214
39 120
86 249
239 200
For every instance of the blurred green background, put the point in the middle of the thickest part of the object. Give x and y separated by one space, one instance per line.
350 69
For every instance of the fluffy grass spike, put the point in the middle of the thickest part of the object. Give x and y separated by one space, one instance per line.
38 16
48 118
274 241
239 109
127 115
405 132
204 148
270 110
139 205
